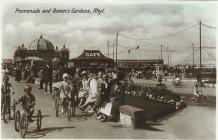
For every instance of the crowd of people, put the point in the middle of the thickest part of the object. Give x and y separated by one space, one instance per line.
91 91
94 90
98 92
25 73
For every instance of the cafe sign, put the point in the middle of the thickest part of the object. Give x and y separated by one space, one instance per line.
93 54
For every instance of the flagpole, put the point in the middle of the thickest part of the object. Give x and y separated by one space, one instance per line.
116 48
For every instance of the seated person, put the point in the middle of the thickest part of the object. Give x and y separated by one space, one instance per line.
103 95
83 93
117 91
28 101
93 92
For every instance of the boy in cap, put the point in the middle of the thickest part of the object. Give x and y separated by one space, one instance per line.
28 101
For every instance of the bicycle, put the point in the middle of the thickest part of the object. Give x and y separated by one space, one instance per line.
68 104
22 121
178 84
6 109
201 98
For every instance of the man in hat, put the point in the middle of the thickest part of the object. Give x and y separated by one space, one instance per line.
48 78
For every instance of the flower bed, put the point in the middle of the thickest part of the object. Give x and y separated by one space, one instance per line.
156 101
212 81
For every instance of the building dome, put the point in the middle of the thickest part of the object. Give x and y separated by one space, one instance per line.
41 44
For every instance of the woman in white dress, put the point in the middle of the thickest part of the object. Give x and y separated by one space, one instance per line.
83 93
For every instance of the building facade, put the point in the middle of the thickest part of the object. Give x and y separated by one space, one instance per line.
92 59
41 51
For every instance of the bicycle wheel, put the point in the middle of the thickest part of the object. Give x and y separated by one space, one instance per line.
23 125
13 111
205 98
17 121
5 113
56 106
69 110
39 120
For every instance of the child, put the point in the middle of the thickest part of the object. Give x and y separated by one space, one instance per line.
28 101
6 89
65 90
197 93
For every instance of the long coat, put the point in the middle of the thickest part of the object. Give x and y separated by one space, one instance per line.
18 74
117 95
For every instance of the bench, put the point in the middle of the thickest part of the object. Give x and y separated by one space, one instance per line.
132 116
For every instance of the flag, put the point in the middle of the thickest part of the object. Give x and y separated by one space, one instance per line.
128 51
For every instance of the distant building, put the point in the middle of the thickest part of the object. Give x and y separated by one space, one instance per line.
41 51
92 59
139 63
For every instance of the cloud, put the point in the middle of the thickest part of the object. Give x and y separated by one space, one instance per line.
10 29
80 32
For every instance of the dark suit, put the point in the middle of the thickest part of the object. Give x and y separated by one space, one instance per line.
48 78
117 98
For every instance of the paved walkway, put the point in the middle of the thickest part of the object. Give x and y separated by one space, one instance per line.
193 122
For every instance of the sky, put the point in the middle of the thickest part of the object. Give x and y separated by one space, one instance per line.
133 22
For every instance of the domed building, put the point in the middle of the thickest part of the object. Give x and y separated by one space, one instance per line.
43 51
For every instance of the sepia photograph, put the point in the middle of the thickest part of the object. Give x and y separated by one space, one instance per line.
113 70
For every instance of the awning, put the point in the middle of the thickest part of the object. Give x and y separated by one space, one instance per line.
33 58
17 59
91 55
56 59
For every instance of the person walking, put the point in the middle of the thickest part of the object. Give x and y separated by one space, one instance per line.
41 78
18 74
48 78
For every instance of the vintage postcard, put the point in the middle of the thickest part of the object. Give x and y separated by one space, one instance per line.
108 70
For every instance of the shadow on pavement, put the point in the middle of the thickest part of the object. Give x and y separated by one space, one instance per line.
147 126
43 116
150 128
42 132
81 117
118 126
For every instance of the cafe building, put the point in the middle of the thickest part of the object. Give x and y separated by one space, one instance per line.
93 60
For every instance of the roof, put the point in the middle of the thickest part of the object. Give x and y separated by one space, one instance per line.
90 55
7 61
41 44
141 60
